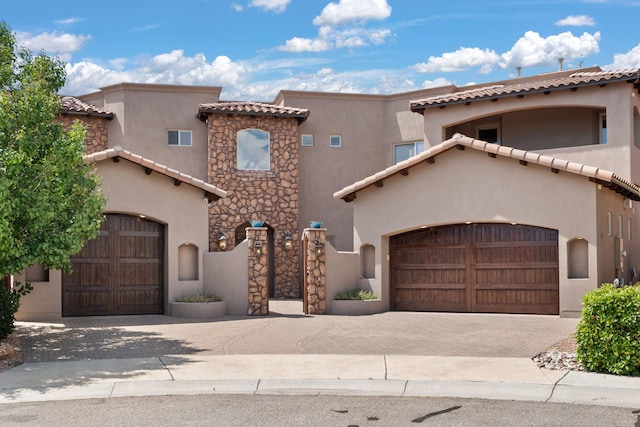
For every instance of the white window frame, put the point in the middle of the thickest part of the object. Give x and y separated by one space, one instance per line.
180 133
309 136
602 128
415 149
488 126
339 138
609 224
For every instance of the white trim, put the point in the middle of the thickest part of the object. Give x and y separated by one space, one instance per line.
302 138
180 133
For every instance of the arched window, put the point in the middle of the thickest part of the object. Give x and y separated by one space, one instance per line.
578 258
187 262
368 261
254 150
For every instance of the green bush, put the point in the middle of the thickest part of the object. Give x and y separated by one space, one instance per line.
207 297
608 333
9 304
356 294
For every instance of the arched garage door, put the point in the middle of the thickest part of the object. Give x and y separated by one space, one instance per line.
119 272
486 268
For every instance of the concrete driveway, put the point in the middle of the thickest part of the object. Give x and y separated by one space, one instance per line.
288 331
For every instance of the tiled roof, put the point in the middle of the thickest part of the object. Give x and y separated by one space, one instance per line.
601 176
212 192
252 108
529 86
72 105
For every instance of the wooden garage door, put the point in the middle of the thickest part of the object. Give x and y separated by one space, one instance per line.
119 272
487 268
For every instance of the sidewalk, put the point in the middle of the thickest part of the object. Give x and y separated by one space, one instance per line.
390 354
414 376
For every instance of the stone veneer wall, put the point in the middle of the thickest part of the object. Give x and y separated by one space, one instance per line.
270 196
97 137
316 271
258 272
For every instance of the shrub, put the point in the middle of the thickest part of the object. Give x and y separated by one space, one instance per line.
9 304
608 333
206 297
356 294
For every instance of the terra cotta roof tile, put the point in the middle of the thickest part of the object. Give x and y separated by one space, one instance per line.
212 192
72 105
545 83
252 108
601 176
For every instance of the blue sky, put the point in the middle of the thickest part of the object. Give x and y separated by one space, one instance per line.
254 48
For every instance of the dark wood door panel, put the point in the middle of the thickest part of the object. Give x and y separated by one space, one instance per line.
500 268
119 272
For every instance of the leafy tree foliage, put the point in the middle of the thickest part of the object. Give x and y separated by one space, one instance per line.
50 199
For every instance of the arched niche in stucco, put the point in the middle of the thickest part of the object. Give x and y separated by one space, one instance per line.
578 258
368 261
188 262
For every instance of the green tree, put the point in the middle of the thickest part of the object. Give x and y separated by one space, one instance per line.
50 200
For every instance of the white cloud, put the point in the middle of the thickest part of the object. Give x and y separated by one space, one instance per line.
462 59
277 6
353 10
169 68
439 82
68 21
624 61
532 50
55 43
301 44
576 21
328 38
237 7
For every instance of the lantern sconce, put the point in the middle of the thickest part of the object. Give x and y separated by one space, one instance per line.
319 247
222 242
288 243
257 249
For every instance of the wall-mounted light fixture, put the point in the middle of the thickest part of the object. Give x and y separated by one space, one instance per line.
288 243
222 242
257 249
319 247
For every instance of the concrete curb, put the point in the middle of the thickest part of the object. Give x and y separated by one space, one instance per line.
400 376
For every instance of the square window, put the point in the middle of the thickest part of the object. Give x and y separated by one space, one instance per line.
307 140
335 141
179 137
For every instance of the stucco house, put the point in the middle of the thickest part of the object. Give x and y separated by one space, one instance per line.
512 196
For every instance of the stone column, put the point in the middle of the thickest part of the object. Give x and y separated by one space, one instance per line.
315 270
258 271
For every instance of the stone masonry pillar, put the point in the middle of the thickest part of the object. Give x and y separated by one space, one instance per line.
258 271
315 279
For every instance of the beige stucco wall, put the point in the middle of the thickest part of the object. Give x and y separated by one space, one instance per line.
469 186
144 113
369 126
225 273
342 272
130 191
181 208
615 98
